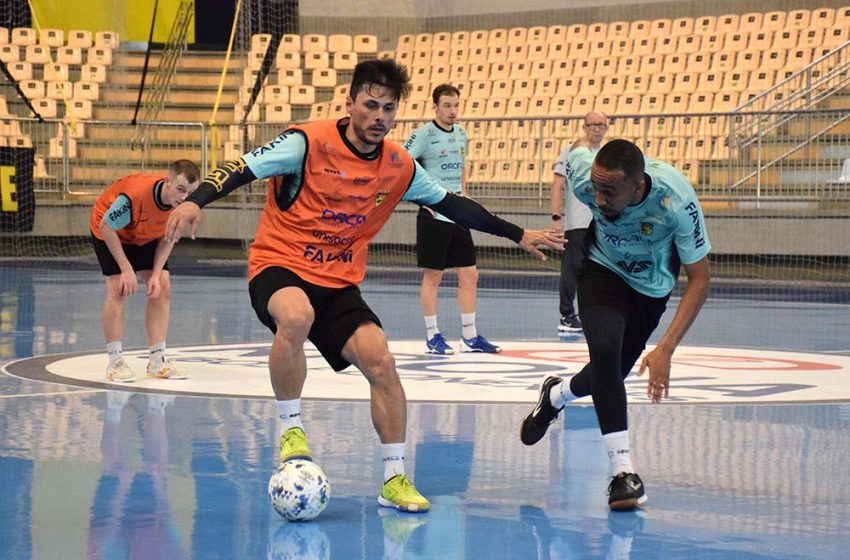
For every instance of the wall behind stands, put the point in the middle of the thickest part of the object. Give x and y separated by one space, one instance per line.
130 18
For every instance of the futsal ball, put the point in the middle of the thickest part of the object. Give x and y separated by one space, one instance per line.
299 490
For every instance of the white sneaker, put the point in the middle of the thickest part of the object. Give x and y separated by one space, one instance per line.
167 370
120 372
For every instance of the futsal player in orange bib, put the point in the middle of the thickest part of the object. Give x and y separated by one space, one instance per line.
334 185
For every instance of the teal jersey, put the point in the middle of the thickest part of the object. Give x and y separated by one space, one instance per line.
442 153
645 243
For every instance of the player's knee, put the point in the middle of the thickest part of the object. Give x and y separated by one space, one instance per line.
381 369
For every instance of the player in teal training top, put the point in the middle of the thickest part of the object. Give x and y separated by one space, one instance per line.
441 148
647 222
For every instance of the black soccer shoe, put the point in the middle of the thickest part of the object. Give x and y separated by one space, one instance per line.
537 422
626 492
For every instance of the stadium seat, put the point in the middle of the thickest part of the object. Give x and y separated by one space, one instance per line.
478 71
289 42
599 48
760 80
676 103
517 53
517 107
614 85
584 67
316 60
344 60
423 41
45 107
725 101
675 63
748 61
686 82
735 42
80 38
723 61
365 44
735 81
499 71
536 35
750 22
336 110
324 77
822 18
440 57
557 51
773 59
660 82
478 38
497 38
701 102
286 59
23 36
260 42
20 70
606 103
420 91
99 55
278 112
55 72
760 40
661 28
497 53
420 74
314 42
473 108
517 36
666 45
441 40
774 21
699 62
107 40
618 30
637 84
37 54
574 34
560 106
842 17
798 59
540 69
480 89
460 40
10 53
567 87
627 104
69 55
620 48
688 44
33 89
682 27
798 19
476 55
812 38
440 73
459 72
651 64
59 90
652 103
79 108
51 37
597 32
606 67
290 77
319 111
639 29
727 23
522 88
340 42
643 46
93 73
705 25
786 39
837 35
86 90
710 81
628 65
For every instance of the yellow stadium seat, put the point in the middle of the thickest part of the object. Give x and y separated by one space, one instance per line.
317 60
567 87
80 38
522 88
538 105
278 112
643 46
773 59
442 40
786 39
314 42
686 82
556 34
628 65
614 85
682 27
302 95
639 29
540 69
560 106
536 35
107 40
735 81
606 103
798 58
676 103
652 103
79 108
24 36
525 130
420 74
774 21
440 73
621 47
458 72
618 30
51 37
545 87
710 81
480 89
290 77
421 57
20 142
319 111
562 68
340 42
597 32
478 38
289 42
69 55
701 102
666 45
423 41
705 25
537 51
590 85
671 149
760 40
723 61
761 80
459 40
637 84
86 90
365 44
675 63
479 71
499 71
651 64
574 34
260 42
735 42
837 35
59 90
517 53
501 88
750 22
37 54
32 88
842 17
458 55
557 51
599 48
748 61
584 67
20 70
474 108
324 77
661 82
420 91
725 101
440 57
99 55
497 38
344 61
688 44
405 43
477 54
413 109
798 19
606 67
517 107
811 38
699 62
286 59
93 73
727 23
10 53
628 104
822 18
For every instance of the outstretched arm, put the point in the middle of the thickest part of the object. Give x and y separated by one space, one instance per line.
215 185
658 360
467 212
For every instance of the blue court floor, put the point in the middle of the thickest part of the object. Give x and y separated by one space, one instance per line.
91 472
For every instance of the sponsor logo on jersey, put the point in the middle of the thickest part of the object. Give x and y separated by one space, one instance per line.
271 145
395 160
693 211
361 180
451 165
332 240
646 228
315 254
380 197
634 267
343 219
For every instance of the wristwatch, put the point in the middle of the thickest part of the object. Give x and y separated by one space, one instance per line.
556 217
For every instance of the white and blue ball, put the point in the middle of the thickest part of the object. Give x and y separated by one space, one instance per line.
299 490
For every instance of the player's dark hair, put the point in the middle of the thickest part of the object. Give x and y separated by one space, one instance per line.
381 72
621 155
187 169
444 89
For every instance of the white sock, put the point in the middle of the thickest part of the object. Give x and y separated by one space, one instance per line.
560 394
288 415
617 445
113 350
467 323
431 327
393 459
157 353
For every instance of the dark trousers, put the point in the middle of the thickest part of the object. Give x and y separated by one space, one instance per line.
571 263
617 321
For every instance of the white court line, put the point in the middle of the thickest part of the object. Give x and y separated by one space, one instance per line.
53 394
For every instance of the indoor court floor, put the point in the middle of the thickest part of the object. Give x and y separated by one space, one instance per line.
748 460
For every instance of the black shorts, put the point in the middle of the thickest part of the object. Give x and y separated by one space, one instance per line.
140 256
441 245
338 311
